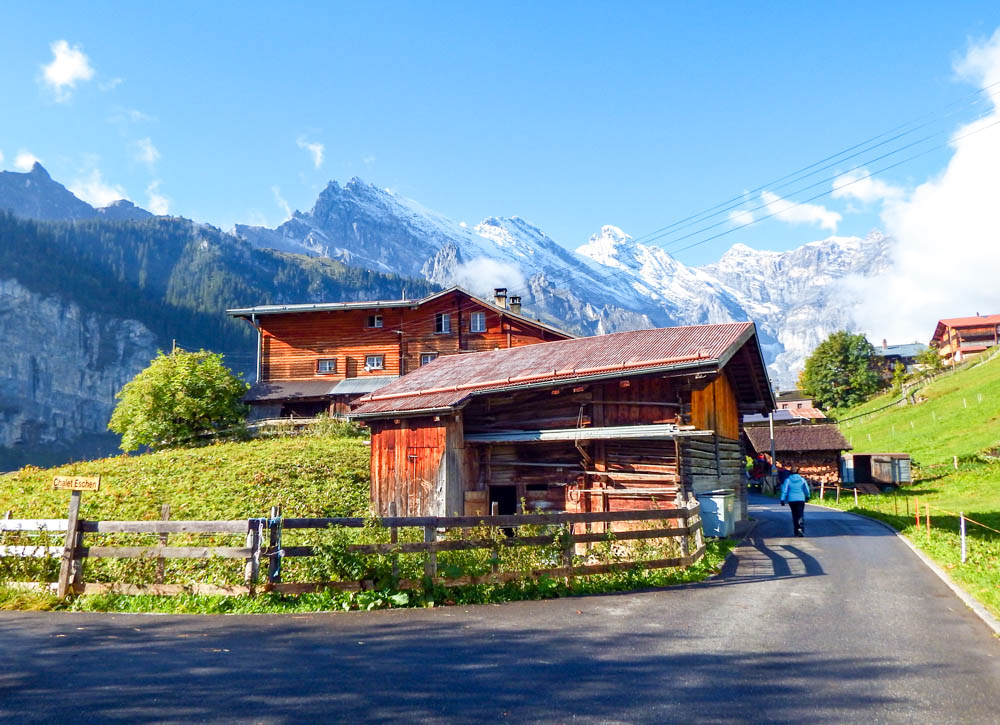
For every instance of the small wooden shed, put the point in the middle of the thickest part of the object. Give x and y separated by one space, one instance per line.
625 421
882 469
814 449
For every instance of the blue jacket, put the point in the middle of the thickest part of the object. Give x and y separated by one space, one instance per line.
795 488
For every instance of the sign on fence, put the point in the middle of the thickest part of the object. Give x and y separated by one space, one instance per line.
76 483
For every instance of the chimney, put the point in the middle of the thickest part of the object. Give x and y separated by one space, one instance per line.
885 345
515 304
500 297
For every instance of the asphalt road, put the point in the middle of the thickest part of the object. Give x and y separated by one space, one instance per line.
845 625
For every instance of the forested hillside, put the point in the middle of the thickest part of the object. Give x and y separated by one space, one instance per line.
84 305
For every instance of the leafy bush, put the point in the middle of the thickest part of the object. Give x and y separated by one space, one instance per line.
176 398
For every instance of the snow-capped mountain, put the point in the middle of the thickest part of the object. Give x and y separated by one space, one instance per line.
611 283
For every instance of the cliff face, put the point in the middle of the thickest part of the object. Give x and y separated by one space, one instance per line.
60 369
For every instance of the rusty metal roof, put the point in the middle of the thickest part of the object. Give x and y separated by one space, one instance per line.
451 379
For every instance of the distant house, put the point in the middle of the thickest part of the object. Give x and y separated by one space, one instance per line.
812 448
630 420
798 404
905 354
314 358
957 337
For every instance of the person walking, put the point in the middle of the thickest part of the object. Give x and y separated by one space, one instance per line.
795 492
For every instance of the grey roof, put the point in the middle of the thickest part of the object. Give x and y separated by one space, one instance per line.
350 386
911 350
301 389
289 389
413 304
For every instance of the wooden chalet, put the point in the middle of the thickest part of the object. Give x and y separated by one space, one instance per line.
958 337
814 449
631 420
314 358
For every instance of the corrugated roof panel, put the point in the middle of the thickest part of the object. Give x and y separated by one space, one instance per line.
367 384
450 379
289 389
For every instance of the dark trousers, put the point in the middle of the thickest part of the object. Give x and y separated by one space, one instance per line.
797 507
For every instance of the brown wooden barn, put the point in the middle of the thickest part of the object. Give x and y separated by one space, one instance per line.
317 358
813 449
625 421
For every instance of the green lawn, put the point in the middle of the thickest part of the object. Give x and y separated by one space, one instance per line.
313 475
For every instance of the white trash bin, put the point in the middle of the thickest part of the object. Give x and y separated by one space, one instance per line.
718 512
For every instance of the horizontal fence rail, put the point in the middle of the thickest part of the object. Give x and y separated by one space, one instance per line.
572 529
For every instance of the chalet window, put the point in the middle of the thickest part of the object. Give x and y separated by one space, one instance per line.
374 362
477 322
442 322
427 357
326 366
374 321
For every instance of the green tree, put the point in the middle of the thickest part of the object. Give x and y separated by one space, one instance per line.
177 397
898 376
930 360
842 371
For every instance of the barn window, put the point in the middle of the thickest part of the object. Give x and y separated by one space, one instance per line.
328 365
442 322
374 321
477 322
374 362
427 357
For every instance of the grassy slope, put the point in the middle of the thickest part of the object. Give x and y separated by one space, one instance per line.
306 476
953 421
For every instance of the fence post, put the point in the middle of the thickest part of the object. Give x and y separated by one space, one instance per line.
394 539
252 569
838 493
927 516
855 497
916 510
160 561
495 511
961 523
69 545
822 490
274 544
430 562
699 539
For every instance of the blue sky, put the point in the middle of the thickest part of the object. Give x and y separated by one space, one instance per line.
571 115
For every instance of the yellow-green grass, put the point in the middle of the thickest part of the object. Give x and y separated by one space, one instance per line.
311 475
959 416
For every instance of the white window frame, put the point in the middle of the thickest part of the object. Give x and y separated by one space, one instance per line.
373 322
480 318
442 323
378 360
427 358
331 361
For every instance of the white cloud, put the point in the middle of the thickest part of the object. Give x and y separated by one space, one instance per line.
368 159
797 213
858 184
944 259
111 84
68 67
94 190
741 217
129 115
146 152
482 274
156 201
25 160
282 203
315 148
1 157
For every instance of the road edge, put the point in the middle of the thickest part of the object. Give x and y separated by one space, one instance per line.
971 602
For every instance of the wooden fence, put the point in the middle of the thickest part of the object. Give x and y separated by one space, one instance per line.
263 550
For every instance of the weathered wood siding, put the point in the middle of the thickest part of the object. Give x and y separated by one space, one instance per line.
714 407
416 463
292 344
713 463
